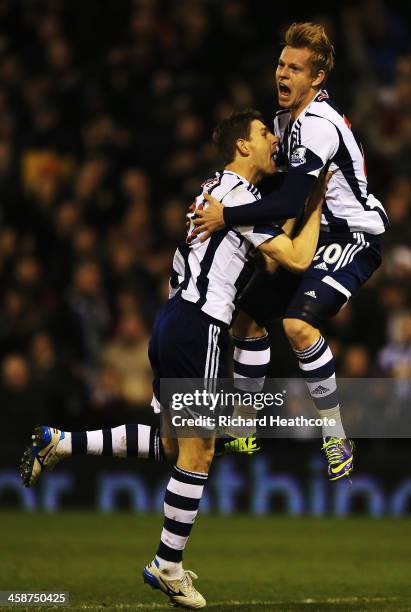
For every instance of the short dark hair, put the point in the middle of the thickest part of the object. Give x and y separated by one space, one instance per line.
230 129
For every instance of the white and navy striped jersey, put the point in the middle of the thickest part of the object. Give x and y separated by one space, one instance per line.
212 273
321 133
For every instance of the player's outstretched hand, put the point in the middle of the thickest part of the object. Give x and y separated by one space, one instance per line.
210 219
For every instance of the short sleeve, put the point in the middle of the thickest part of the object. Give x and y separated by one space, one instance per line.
239 197
318 142
256 234
259 233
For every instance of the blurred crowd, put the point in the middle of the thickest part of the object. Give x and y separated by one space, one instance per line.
106 111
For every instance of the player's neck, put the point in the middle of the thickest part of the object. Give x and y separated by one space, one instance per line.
246 170
296 112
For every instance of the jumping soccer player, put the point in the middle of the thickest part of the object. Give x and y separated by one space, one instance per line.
312 132
190 338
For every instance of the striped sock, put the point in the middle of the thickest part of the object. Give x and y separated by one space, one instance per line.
137 440
251 361
181 502
317 366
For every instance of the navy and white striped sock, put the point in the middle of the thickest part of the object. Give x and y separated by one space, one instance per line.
251 361
317 366
181 502
136 440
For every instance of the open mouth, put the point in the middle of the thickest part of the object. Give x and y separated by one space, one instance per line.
284 90
274 149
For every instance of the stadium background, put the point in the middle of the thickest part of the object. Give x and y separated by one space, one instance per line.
106 112
106 115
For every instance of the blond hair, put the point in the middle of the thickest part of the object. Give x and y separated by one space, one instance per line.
312 36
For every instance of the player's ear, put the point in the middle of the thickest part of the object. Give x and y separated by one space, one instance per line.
318 78
242 146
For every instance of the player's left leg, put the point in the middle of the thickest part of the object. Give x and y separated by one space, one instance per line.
317 367
342 264
188 344
181 502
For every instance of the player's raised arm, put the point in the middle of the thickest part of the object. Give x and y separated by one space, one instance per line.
296 254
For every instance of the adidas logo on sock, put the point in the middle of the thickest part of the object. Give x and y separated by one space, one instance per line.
320 390
321 266
311 294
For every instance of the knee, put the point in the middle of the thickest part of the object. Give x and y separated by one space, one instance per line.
199 464
300 334
245 327
203 460
196 457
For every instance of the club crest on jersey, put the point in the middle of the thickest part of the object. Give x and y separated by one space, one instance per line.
298 156
323 95
210 183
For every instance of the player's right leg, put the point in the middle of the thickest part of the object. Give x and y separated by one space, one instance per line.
50 445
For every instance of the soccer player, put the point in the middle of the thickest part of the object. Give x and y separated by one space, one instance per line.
190 338
312 131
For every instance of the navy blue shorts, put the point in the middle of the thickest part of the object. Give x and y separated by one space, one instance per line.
186 343
341 265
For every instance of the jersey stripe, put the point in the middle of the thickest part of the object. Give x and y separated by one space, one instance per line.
206 263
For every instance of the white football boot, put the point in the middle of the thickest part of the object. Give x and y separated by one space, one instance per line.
180 591
41 455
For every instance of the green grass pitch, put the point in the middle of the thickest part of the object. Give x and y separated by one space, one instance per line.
244 563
